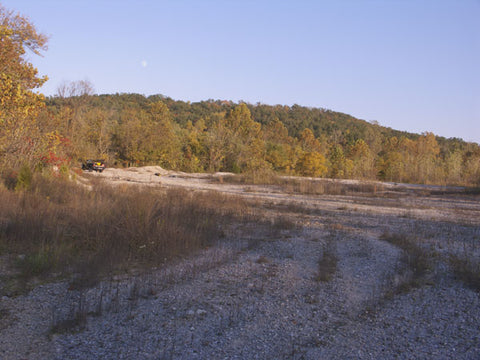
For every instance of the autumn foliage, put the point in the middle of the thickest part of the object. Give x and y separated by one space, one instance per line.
19 103
209 136
206 136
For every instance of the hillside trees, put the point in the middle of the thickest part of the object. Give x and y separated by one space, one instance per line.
216 143
245 150
471 166
339 165
225 136
311 161
408 160
20 104
147 137
453 167
194 148
86 127
280 148
426 158
362 160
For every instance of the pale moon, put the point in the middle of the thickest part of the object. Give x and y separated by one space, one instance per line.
144 63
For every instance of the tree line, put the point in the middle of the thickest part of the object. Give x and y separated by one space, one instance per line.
206 136
216 135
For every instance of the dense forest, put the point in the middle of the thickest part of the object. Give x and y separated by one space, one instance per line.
217 135
59 132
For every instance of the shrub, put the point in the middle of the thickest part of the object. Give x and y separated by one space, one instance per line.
24 178
36 263
9 178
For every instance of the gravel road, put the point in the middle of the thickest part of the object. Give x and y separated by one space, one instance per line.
257 295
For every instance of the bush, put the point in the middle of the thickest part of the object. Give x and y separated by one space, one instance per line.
9 178
37 263
24 178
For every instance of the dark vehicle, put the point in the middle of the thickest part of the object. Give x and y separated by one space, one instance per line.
94 165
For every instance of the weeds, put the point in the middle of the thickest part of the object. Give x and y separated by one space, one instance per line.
327 265
254 177
263 260
306 186
36 263
328 187
467 271
59 226
283 223
74 322
416 261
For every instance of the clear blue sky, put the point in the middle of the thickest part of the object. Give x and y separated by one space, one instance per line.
409 64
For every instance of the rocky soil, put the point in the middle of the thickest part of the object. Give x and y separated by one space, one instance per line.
260 293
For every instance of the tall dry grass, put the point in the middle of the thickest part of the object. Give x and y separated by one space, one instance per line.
307 186
416 261
57 225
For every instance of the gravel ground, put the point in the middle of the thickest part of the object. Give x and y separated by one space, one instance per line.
258 296
263 302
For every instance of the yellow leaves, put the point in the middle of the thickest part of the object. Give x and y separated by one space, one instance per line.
309 142
276 132
159 110
312 164
19 104
16 101
21 30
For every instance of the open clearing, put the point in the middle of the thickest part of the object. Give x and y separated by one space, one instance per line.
390 273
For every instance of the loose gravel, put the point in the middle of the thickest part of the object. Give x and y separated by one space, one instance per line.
258 296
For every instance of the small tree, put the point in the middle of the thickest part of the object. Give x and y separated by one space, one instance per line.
312 164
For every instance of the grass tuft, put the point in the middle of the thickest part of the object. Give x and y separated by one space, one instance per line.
467 271
416 260
327 265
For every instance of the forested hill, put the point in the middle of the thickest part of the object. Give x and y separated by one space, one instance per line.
222 135
296 118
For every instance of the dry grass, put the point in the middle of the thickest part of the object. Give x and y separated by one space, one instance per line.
329 187
327 266
263 260
416 261
467 271
259 177
58 226
307 186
